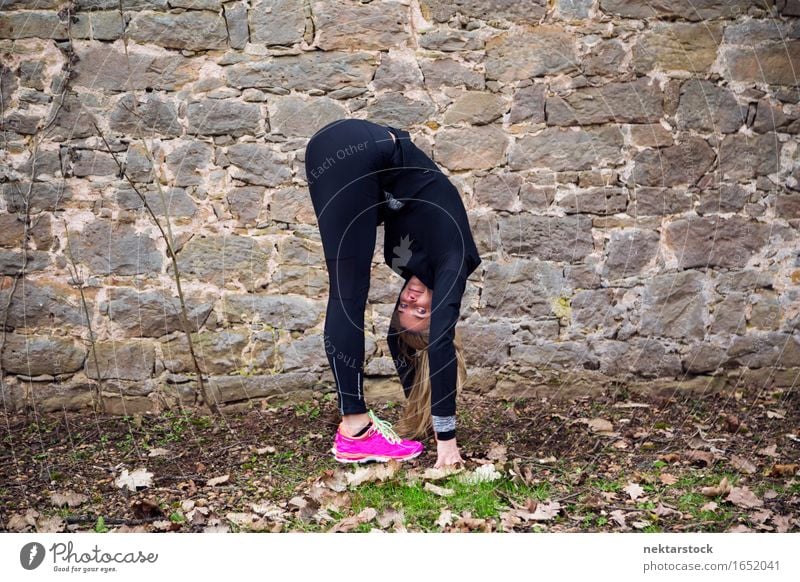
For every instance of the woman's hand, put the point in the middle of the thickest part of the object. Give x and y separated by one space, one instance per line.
447 452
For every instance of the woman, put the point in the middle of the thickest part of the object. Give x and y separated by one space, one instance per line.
362 174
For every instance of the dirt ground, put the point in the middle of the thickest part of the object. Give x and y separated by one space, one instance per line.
722 462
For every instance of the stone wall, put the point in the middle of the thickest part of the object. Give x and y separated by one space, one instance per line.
630 168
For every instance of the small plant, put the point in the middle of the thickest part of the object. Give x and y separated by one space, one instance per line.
100 525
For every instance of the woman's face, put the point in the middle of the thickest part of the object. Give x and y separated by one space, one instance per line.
414 308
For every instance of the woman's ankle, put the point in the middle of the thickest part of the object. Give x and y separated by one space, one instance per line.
352 423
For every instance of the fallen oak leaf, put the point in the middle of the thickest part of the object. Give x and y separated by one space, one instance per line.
497 452
69 498
445 518
743 497
140 478
217 480
634 490
376 472
743 465
699 457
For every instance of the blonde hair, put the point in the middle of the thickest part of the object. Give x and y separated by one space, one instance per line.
416 421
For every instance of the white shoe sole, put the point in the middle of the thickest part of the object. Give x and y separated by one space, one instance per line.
376 459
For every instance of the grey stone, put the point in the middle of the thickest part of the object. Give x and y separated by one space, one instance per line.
683 163
753 31
707 108
652 135
519 12
556 149
601 310
294 116
74 120
44 304
344 26
35 355
202 30
742 157
555 238
396 74
196 4
107 25
744 280
765 350
292 205
295 250
487 344
217 352
306 281
499 191
279 312
649 201
715 241
703 357
769 117
449 40
322 72
629 252
27 74
39 196
222 260
765 312
727 198
188 161
522 288
677 46
528 104
451 73
34 4
479 148
728 316
787 206
257 164
148 117
11 261
276 22
534 52
93 163
223 116
108 247
694 10
115 4
397 110
304 353
153 313
595 201
246 204
640 356
105 68
639 101
773 63
178 202
574 9
477 108
605 58
236 21
128 360
674 305
137 165
22 124
33 24
46 164
227 389
554 355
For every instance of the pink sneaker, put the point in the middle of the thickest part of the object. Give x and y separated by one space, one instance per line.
379 443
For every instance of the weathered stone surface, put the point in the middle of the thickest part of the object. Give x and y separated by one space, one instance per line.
677 47
728 316
74 119
715 241
129 360
448 40
478 148
280 312
108 247
765 350
557 149
707 108
487 344
395 73
304 353
346 26
323 72
227 389
528 104
770 63
499 191
196 4
648 201
397 110
246 204
222 260
449 72
520 12
629 252
769 117
522 287
188 161
595 201
292 205
604 58
640 356
115 4
297 117
35 24
754 31
742 157
11 262
602 310
533 52
765 312
703 357
276 22
202 30
257 164
305 281
22 124
652 135
727 198
477 108
683 163
236 20
223 116
674 305
555 238
36 355
145 117
554 355
574 9
639 101
36 196
217 352
152 313
787 206
44 304
694 10
103 67
12 231
93 163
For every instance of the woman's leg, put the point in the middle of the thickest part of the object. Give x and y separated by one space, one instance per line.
342 163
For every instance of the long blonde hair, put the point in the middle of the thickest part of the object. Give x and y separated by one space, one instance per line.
416 421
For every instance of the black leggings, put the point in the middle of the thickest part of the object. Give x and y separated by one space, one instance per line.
343 161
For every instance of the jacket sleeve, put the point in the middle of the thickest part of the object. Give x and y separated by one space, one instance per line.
445 311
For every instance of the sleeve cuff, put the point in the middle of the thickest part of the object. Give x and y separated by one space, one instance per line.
445 427
446 436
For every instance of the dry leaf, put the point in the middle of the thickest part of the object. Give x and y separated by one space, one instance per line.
482 474
618 516
782 523
770 451
69 498
139 478
445 518
781 414
699 457
710 506
743 465
376 472
436 490
722 489
392 516
600 425
349 523
667 479
743 497
218 480
634 490
662 510
158 452
265 451
783 470
497 452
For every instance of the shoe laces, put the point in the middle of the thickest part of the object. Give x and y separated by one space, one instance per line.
385 428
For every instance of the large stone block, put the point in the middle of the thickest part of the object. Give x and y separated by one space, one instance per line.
276 22
708 108
674 305
109 69
630 251
37 355
43 304
280 312
554 238
683 163
532 52
519 12
522 288
715 241
348 26
145 117
226 389
557 150
153 313
677 46
258 164
223 116
129 360
694 10
217 352
639 101
743 157
108 247
192 30
774 63
478 148
224 260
